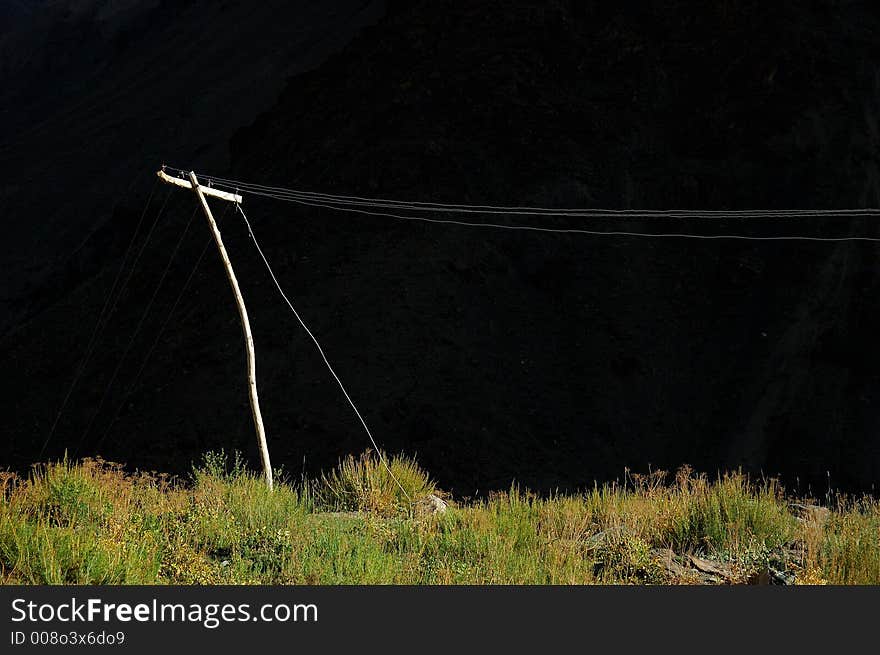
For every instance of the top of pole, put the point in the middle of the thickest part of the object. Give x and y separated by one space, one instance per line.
208 191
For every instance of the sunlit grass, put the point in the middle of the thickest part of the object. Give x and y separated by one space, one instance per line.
92 523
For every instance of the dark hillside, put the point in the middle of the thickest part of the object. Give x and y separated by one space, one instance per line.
494 355
559 359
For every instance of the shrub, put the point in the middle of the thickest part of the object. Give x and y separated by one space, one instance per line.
366 484
730 514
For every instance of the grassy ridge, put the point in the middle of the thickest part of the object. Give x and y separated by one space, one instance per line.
91 523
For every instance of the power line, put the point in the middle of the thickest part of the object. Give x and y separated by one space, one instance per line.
600 233
370 207
548 213
296 194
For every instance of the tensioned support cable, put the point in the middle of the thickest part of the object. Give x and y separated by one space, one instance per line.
322 353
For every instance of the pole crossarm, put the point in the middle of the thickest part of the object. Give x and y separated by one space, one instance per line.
208 191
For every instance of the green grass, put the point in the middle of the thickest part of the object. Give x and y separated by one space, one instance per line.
90 522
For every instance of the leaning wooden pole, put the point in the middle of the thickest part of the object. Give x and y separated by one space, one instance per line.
246 329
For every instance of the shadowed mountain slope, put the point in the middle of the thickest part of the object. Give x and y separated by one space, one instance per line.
553 360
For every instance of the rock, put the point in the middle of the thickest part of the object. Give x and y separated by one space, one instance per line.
780 577
432 505
710 567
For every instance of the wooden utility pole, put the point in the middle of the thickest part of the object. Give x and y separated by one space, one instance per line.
201 192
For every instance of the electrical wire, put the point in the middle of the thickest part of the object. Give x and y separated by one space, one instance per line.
295 194
547 213
599 233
